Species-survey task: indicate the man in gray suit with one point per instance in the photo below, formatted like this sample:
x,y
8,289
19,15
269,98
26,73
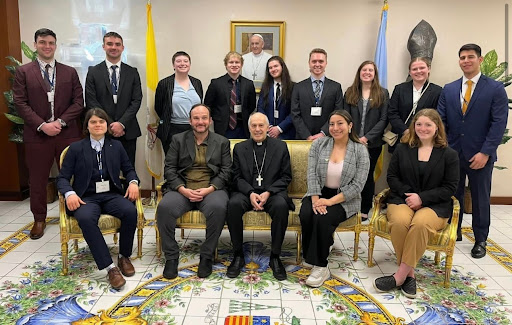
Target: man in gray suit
x,y
197,171
115,87
314,98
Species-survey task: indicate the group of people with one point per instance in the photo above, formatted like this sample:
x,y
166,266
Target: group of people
x,y
446,134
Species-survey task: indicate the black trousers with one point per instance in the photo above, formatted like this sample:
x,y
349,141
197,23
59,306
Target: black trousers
x,y
130,146
369,186
88,215
317,229
175,129
275,206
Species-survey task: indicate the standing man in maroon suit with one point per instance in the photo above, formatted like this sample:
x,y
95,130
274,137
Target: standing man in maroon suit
x,y
49,97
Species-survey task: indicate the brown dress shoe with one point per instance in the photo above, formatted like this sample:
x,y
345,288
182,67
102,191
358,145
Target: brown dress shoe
x,y
115,278
125,265
37,230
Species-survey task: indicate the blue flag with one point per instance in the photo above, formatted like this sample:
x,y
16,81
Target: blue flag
x,y
381,56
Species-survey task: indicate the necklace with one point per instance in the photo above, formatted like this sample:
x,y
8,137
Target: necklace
x,y
259,179
254,74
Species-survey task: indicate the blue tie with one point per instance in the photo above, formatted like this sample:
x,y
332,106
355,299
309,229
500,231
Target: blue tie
x,y
114,80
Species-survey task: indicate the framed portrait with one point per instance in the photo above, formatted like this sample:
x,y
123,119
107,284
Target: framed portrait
x,y
257,41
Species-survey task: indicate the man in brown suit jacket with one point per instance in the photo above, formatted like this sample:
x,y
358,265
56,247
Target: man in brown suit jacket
x,y
49,97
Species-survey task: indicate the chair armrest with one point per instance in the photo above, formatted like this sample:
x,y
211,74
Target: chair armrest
x,y
63,217
378,205
159,192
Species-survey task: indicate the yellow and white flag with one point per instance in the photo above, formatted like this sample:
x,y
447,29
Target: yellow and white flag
x,y
154,152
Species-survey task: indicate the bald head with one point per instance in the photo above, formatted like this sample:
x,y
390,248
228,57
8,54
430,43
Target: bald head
x,y
258,126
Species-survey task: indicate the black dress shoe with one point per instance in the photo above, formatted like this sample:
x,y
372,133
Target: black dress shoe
x,y
205,267
171,269
479,250
277,267
385,283
236,266
409,287
459,235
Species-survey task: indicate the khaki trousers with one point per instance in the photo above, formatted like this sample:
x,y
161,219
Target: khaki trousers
x,y
411,230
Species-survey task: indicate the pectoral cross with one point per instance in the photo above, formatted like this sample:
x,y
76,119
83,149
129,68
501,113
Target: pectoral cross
x,y
259,179
254,74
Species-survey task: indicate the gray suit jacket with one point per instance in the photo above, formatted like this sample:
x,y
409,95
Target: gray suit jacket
x,y
353,175
303,99
182,153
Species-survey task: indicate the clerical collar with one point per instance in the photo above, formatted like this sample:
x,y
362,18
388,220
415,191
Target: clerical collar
x,y
258,144
97,144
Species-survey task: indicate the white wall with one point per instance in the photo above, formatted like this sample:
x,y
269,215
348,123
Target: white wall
x,y
346,29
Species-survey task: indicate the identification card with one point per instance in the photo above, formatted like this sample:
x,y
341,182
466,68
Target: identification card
x,y
115,98
102,187
50,95
316,111
276,114
238,108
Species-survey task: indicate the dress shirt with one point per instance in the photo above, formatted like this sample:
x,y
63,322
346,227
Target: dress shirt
x,y
465,86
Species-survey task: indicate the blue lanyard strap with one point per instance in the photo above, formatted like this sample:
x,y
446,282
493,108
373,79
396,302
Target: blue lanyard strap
x,y
100,163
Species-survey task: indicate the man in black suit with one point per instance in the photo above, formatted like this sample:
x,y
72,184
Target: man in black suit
x,y
197,171
314,98
232,99
261,175
115,87
95,163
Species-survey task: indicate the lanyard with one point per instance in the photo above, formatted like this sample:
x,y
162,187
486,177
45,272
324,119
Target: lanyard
x,y
47,77
100,163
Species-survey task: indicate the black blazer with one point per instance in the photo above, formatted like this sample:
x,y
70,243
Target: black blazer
x,y
439,183
98,93
163,102
182,154
283,107
218,99
78,163
400,104
376,120
277,171
303,99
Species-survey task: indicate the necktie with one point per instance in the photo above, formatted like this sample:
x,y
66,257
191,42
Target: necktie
x,y
114,80
318,88
278,95
232,102
467,96
47,77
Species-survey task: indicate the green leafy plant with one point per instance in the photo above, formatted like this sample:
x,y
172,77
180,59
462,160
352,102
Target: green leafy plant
x,y
16,134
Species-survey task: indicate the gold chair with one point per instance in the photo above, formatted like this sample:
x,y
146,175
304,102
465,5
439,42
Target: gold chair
x,y
70,230
443,241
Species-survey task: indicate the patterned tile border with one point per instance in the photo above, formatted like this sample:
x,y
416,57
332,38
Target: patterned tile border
x,y
498,253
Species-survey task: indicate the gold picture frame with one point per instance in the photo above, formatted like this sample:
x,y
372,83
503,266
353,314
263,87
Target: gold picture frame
x,y
272,33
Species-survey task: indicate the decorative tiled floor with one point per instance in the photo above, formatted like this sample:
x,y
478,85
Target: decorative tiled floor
x,y
33,292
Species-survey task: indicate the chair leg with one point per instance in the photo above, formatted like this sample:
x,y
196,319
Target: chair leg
x,y
371,245
158,244
139,242
64,251
437,258
448,269
216,257
76,245
299,247
115,239
182,233
357,231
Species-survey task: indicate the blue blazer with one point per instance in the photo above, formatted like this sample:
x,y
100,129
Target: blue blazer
x,y
285,119
78,163
481,128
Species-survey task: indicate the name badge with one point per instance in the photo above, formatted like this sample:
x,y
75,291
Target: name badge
x,y
276,114
316,111
51,96
103,186
115,98
238,108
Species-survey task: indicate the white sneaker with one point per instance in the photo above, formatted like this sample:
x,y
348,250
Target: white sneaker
x,y
318,276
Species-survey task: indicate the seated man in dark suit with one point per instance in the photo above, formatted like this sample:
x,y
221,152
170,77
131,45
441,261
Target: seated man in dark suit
x,y
197,170
232,99
95,163
314,98
261,174
115,87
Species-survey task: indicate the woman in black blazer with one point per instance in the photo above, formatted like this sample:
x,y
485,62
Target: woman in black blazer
x,y
174,97
367,102
417,92
423,175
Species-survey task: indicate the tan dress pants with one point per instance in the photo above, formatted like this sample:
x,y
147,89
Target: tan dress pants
x,y
411,230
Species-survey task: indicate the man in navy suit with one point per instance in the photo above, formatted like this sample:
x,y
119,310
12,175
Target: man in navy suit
x,y
115,87
474,110
95,163
314,98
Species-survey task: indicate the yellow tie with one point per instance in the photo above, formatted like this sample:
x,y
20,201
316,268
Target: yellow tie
x,y
467,96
